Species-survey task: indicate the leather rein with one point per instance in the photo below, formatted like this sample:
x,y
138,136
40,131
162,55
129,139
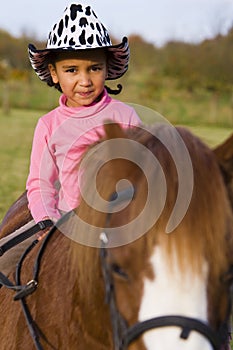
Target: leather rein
x,y
22,291
123,335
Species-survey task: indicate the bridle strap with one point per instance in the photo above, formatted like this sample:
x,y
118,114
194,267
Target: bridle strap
x,y
21,297
40,226
118,323
186,324
123,336
24,290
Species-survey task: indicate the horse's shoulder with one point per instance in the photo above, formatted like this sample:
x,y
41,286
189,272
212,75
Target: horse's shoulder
x,y
17,216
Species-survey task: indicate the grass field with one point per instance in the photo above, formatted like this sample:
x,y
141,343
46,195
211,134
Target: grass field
x,y
15,146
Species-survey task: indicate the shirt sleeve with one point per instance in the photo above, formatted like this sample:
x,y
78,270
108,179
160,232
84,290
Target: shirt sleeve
x,y
43,175
134,119
128,117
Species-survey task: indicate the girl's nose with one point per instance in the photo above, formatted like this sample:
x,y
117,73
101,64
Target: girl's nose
x,y
84,79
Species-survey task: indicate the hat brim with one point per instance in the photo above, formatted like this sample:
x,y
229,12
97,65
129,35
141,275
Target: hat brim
x,y
118,60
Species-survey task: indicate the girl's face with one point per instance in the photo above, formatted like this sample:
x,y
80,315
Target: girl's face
x,y
81,75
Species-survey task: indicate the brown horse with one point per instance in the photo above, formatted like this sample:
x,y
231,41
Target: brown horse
x,y
155,225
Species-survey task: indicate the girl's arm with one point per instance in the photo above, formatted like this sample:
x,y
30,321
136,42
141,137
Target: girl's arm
x,y
43,175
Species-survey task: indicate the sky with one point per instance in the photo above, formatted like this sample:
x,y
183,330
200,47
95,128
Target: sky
x,y
157,21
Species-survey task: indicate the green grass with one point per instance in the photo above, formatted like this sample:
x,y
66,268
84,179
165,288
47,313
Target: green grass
x,y
15,144
199,107
212,136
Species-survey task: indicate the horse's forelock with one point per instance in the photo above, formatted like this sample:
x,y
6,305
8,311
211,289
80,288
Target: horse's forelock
x,y
204,224
200,238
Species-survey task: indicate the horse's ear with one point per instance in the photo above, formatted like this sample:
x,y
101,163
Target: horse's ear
x,y
224,155
120,152
113,130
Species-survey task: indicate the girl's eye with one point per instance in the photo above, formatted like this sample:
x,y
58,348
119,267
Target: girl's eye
x,y
71,70
96,68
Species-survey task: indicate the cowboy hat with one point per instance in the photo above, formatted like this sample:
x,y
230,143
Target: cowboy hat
x,y
80,29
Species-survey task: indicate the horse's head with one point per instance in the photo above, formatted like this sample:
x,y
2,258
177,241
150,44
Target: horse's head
x,y
169,244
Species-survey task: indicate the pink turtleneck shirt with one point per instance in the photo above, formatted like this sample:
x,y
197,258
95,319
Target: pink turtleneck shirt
x,y
60,138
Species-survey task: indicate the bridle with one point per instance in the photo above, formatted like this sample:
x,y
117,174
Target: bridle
x,y
22,291
124,335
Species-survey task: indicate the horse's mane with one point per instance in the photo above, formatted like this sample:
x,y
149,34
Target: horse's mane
x,y
207,221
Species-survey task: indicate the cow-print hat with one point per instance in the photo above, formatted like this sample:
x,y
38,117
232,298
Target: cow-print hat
x,y
80,29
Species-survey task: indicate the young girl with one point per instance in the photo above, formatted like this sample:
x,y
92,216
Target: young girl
x,y
78,59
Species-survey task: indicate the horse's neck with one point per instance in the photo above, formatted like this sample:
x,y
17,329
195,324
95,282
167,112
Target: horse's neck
x,y
89,292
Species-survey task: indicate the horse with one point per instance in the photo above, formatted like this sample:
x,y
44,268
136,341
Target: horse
x,y
145,262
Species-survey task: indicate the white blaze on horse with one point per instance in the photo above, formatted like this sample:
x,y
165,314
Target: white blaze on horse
x,y
145,262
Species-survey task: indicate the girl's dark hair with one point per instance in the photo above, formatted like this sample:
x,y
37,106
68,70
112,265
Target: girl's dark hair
x,y
109,90
51,59
114,92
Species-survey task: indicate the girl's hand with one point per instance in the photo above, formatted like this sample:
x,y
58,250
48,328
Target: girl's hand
x,y
41,234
